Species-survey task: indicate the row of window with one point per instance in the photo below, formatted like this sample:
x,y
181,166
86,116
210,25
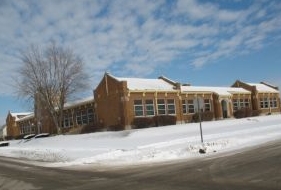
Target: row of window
x,y
83,117
240,103
191,106
166,107
27,129
268,102
146,107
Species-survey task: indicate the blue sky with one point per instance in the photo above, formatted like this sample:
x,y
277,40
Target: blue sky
x,y
211,43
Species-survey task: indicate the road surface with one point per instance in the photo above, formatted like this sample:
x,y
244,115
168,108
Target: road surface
x,y
257,168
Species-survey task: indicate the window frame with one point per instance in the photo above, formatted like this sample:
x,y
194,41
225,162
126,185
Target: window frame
x,y
171,106
138,105
191,106
161,104
149,107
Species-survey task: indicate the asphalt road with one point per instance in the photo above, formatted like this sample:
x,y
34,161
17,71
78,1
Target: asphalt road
x,y
257,168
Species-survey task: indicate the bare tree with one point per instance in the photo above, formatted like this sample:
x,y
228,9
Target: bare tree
x,y
52,74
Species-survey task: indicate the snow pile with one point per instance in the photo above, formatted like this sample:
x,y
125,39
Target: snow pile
x,y
147,145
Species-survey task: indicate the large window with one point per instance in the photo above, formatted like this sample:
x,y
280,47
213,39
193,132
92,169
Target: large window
x,y
90,115
78,118
190,106
240,103
268,102
235,104
84,117
149,107
26,128
67,120
144,107
171,107
207,105
138,108
264,103
247,103
184,106
273,102
161,107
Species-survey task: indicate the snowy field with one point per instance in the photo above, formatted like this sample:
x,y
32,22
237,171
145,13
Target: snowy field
x,y
147,145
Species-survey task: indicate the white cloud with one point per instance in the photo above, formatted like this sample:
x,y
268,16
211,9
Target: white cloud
x,y
135,37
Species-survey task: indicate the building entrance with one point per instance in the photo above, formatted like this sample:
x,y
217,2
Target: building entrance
x,y
224,108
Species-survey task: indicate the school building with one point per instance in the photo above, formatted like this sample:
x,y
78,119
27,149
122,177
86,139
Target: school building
x,y
117,102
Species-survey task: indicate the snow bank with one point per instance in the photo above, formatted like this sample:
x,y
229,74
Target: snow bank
x,y
147,145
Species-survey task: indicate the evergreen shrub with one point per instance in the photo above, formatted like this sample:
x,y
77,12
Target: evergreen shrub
x,y
243,112
205,116
163,120
143,122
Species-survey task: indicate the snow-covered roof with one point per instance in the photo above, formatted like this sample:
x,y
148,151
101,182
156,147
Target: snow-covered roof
x,y
263,88
30,116
20,115
147,84
79,102
222,91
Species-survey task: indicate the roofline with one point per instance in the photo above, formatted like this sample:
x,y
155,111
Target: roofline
x,y
170,81
30,116
269,85
79,102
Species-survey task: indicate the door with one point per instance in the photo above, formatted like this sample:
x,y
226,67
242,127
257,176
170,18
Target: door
x,y
224,108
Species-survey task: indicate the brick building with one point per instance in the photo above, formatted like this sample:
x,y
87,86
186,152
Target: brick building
x,y
264,97
77,116
118,101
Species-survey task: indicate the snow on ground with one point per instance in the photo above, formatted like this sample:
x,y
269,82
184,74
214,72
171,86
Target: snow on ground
x,y
147,145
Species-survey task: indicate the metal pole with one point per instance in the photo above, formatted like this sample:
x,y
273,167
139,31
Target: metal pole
x,y
199,113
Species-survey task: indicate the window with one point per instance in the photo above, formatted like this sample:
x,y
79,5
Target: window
x,y
184,106
171,108
138,107
78,118
149,107
65,121
264,102
191,108
90,115
32,129
207,105
261,103
84,117
188,106
235,104
161,107
26,128
247,103
240,103
273,102
21,130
